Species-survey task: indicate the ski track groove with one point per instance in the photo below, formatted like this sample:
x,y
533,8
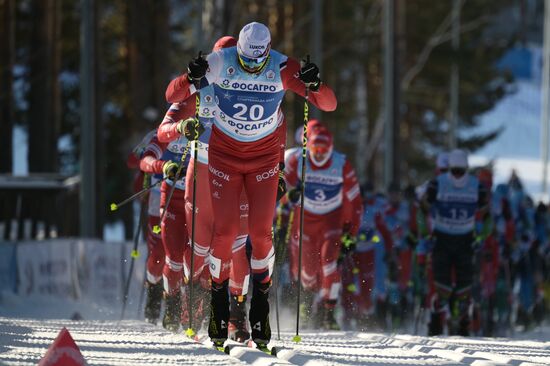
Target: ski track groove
x,y
24,342
498,352
329,349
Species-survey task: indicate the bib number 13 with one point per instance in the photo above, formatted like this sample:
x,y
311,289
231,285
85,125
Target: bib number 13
x,y
255,113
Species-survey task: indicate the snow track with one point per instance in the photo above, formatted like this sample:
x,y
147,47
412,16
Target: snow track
x,y
24,342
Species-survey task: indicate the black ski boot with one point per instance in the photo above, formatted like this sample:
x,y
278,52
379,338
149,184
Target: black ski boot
x,y
238,324
259,314
172,313
329,322
219,313
463,320
153,302
435,326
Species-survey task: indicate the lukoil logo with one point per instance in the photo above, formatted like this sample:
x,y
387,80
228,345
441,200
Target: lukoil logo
x,y
218,173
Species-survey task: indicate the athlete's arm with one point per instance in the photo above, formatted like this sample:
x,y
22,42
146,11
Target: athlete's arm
x,y
353,204
181,88
281,131
291,170
430,196
150,162
132,161
166,131
324,98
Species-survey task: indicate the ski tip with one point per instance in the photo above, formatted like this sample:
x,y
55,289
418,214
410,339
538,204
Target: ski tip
x,y
190,333
114,207
156,229
296,339
273,351
226,349
134,254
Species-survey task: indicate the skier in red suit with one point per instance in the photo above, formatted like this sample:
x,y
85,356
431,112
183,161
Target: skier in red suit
x,y
249,82
332,213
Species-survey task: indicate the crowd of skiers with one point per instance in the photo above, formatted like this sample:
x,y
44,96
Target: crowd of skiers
x,y
230,207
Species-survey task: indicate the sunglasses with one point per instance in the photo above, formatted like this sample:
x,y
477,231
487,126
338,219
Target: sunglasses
x,y
458,172
253,62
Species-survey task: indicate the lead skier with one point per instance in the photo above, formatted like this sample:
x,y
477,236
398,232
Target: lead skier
x,y
249,81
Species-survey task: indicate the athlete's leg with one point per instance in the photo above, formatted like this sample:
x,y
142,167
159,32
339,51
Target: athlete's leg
x,y
226,184
463,262
240,268
442,266
174,238
330,276
155,261
311,253
204,219
261,190
155,257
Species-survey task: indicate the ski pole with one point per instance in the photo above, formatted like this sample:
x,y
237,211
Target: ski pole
x,y
134,255
190,332
276,286
297,337
116,206
156,228
141,294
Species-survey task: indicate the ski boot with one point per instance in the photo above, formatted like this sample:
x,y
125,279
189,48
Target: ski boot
x,y
172,313
153,301
435,326
219,313
381,314
329,322
259,314
238,327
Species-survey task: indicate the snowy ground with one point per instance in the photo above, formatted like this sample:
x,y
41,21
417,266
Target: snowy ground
x,y
29,325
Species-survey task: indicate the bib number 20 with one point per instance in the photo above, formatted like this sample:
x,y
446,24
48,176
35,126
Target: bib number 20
x,y
254,113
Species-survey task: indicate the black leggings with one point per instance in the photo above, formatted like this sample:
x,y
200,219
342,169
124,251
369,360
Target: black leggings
x,y
453,252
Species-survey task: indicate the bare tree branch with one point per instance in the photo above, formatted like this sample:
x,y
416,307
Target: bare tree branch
x,y
466,27
435,40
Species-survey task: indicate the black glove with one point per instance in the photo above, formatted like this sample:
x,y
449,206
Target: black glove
x,y
294,195
281,186
197,68
190,128
309,74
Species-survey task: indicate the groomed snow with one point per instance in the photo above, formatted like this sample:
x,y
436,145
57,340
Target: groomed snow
x,y
23,341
